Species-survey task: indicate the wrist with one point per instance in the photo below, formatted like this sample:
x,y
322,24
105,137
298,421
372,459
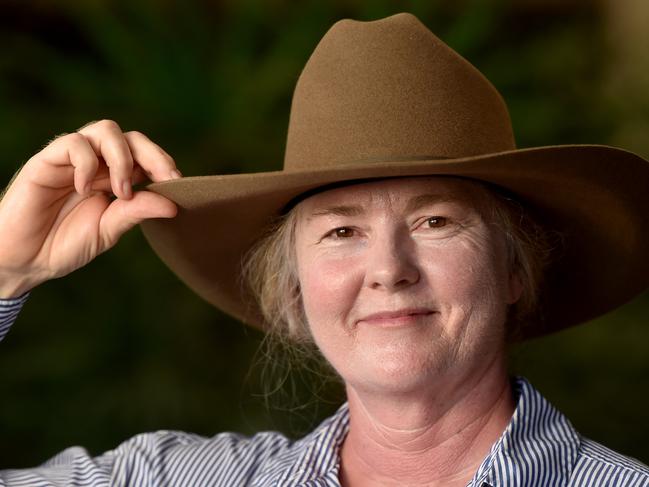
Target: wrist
x,y
14,288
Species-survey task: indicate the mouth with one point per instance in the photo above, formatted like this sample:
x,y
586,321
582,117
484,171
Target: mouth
x,y
401,317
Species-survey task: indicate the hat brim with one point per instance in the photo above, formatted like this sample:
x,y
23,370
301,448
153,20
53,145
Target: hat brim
x,y
596,196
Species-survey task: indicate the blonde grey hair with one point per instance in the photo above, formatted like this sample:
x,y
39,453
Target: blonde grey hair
x,y
530,248
270,269
270,272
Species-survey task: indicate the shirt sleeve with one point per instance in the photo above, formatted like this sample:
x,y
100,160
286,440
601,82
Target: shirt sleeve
x,y
162,458
9,309
150,459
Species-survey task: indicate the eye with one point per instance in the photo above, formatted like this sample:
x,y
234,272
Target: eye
x,y
436,221
342,232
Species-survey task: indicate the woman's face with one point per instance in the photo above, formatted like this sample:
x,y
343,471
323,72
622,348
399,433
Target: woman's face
x,y
403,280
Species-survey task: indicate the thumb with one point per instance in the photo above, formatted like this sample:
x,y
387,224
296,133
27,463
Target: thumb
x,y
122,215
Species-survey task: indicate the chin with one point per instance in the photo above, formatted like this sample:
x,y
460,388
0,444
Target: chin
x,y
399,374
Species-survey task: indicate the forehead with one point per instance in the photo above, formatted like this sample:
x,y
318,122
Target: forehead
x,y
399,192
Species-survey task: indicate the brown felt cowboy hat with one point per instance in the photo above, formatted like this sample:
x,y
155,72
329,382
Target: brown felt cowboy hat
x,y
388,98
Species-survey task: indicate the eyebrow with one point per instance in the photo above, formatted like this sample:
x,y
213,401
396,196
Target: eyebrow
x,y
339,210
415,203
428,199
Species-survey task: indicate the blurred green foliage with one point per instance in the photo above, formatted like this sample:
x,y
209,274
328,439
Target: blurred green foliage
x,y
122,347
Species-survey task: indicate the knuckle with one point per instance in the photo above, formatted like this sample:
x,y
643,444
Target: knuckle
x,y
65,140
56,138
135,134
74,138
107,124
87,124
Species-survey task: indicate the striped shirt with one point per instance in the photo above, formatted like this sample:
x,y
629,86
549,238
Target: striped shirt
x,y
539,447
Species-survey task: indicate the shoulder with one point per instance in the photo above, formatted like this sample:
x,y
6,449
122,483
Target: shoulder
x,y
601,466
166,440
265,458
168,457
179,457
541,447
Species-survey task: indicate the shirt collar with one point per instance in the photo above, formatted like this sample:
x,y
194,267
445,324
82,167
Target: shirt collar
x,y
313,460
538,447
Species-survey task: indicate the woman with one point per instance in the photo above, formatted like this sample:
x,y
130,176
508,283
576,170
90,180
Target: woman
x,y
398,242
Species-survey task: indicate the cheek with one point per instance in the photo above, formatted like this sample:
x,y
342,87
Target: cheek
x,y
329,290
329,287
470,277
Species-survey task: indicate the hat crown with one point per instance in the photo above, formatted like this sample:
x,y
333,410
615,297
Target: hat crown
x,y
390,89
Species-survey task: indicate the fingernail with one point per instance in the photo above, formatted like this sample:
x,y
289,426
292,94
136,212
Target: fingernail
x,y
126,187
175,174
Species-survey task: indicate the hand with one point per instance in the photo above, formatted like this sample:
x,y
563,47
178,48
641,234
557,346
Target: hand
x,y
57,215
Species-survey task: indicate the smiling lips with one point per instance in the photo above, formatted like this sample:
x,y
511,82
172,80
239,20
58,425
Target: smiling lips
x,y
399,317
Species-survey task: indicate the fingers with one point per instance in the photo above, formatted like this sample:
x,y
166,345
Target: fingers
x,y
157,164
122,215
83,158
69,149
107,140
130,156
99,157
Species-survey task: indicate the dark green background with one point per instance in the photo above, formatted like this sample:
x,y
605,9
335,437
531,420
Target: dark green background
x,y
121,346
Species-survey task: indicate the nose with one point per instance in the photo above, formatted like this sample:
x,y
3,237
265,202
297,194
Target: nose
x,y
391,262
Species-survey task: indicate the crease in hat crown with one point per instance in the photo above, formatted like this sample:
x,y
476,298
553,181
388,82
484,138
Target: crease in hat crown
x,y
390,89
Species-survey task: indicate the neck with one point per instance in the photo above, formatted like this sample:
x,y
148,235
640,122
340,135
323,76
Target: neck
x,y
434,437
